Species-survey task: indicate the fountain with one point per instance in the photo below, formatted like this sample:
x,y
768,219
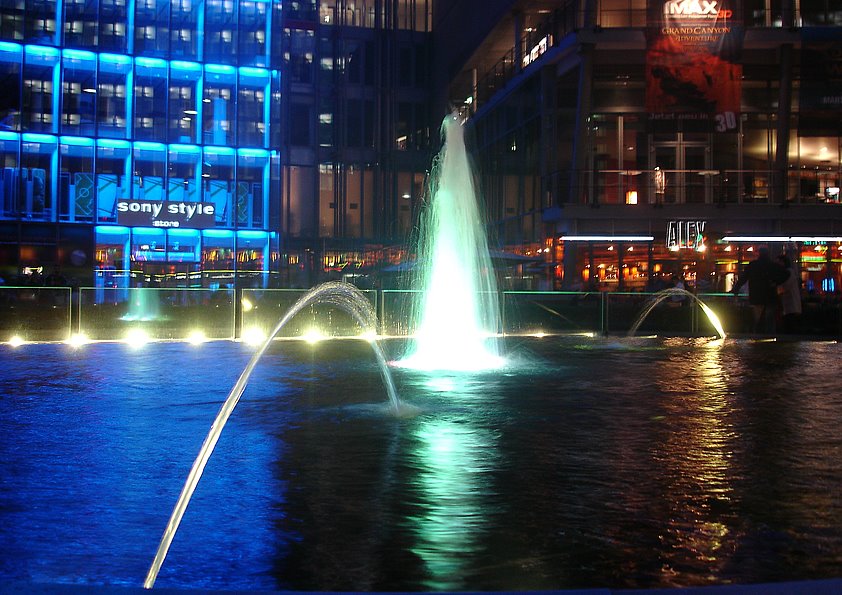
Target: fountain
x,y
341,295
143,305
457,310
672,292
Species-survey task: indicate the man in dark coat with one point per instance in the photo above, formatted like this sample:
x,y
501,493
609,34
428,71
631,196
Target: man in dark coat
x,y
763,276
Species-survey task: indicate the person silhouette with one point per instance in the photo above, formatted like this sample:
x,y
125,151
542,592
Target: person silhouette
x,y
763,276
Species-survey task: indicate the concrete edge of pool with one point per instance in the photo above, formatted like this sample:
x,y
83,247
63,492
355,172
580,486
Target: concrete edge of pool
x,y
812,587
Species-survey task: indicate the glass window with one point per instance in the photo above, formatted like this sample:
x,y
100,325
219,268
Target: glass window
x,y
253,31
11,19
299,213
218,104
151,30
217,258
149,167
35,199
252,187
184,101
251,108
353,202
184,173
183,245
299,124
112,25
299,49
10,73
78,105
113,177
9,176
150,99
76,180
221,31
39,75
112,107
184,34
252,257
327,200
148,245
112,262
218,164
80,23
40,19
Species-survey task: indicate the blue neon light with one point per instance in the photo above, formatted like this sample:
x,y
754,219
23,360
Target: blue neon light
x,y
113,143
219,69
218,233
185,149
78,55
32,137
253,72
155,63
5,135
185,66
111,230
228,151
42,51
193,233
78,141
149,146
115,59
257,235
10,48
253,153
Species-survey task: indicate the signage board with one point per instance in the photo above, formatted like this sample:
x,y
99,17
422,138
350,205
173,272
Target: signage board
x,y
154,213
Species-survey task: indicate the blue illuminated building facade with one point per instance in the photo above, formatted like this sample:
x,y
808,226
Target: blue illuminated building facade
x,y
209,142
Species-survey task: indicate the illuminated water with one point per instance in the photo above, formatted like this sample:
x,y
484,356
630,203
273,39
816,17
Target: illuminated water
x,y
583,463
457,315
675,293
342,295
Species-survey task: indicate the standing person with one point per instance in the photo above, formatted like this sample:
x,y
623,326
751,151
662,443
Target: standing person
x,y
790,293
763,276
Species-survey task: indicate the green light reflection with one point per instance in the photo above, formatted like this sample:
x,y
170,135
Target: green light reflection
x,y
455,461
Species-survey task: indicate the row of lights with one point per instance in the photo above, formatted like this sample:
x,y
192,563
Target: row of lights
x,y
137,338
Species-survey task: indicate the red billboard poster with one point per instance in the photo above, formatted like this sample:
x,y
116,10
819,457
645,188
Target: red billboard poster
x,y
693,68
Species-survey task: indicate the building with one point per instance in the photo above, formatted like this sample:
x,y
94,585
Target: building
x,y
209,143
627,141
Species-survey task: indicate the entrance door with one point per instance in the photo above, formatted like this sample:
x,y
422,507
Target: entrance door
x,y
686,168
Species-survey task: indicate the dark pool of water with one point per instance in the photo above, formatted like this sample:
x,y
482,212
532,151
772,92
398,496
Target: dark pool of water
x,y
587,463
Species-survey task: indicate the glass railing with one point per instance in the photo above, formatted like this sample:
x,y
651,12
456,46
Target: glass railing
x,y
33,314
155,314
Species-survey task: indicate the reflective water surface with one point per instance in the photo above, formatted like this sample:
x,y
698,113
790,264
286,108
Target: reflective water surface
x,y
585,463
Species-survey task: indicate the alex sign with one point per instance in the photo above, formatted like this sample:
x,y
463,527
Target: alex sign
x,y
685,235
152,213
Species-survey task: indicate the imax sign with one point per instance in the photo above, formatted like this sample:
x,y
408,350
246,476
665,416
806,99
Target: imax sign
x,y
695,9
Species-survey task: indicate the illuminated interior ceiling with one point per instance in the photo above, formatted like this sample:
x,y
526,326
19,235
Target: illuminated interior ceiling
x,y
500,41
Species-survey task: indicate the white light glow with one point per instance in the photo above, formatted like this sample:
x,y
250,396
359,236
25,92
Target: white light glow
x,y
16,341
196,337
76,340
605,238
136,338
253,336
247,305
313,336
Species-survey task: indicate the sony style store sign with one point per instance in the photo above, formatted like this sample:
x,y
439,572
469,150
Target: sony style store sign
x,y
153,213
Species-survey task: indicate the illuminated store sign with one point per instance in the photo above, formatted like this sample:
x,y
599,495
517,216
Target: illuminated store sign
x,y
695,8
537,50
685,235
152,213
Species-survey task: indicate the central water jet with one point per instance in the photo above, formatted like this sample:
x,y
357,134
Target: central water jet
x,y
457,314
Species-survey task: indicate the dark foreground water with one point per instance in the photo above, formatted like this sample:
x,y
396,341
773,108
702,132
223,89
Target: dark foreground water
x,y
587,463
